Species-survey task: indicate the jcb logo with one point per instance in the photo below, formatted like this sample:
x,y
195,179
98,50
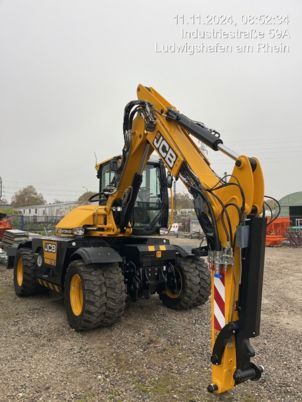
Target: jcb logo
x,y
165,150
50,247
50,252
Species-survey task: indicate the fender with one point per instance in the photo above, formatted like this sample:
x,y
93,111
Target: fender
x,y
11,252
97,255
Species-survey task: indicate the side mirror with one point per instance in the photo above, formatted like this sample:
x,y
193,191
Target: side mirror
x,y
169,180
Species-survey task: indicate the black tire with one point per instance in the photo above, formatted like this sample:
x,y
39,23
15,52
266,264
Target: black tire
x,y
195,285
103,295
27,285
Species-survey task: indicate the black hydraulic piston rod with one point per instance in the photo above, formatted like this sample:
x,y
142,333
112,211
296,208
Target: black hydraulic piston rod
x,y
209,137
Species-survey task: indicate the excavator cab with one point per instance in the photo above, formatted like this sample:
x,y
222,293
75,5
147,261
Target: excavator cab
x,y
151,209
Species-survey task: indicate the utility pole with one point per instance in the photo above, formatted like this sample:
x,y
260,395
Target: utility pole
x,y
174,191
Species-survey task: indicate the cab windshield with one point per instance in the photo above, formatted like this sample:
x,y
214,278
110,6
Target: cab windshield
x,y
148,205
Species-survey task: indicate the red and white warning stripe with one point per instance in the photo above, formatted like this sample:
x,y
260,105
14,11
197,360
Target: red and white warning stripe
x,y
219,301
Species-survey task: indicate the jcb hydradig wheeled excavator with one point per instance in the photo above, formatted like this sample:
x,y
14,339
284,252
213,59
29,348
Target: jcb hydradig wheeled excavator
x,y
103,251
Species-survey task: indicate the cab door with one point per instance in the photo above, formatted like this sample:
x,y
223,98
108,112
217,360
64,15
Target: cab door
x,y
151,208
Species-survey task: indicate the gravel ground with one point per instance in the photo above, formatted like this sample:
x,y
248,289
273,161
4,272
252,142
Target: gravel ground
x,y
153,354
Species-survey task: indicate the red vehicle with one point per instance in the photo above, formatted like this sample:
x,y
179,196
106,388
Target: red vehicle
x,y
5,224
275,233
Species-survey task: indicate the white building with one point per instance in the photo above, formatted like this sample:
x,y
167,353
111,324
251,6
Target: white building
x,y
41,212
195,226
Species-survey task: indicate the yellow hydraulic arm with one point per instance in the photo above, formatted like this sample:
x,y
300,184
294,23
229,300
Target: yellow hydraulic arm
x,y
229,210
223,209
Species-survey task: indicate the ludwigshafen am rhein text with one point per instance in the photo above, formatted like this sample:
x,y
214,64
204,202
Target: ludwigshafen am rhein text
x,y
218,47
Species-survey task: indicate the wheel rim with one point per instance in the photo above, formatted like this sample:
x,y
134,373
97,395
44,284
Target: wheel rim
x,y
20,272
76,295
175,293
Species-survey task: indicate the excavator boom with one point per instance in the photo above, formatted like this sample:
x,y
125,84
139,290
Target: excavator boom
x,y
229,211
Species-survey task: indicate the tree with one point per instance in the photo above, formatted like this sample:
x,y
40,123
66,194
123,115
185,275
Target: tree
x,y
271,207
85,196
27,196
183,201
3,201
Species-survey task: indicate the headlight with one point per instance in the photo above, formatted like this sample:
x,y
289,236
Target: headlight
x,y
70,232
64,232
78,231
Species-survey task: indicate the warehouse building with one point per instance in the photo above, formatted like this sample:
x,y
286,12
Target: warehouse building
x,y
40,213
291,206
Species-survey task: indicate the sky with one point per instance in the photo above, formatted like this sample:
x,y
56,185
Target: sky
x,y
68,68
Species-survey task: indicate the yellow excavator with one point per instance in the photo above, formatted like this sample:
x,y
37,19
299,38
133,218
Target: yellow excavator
x,y
108,249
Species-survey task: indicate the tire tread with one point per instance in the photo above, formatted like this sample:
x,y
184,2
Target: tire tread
x,y
197,285
104,295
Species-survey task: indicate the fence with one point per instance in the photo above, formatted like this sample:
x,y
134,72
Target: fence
x,y
294,237
38,224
